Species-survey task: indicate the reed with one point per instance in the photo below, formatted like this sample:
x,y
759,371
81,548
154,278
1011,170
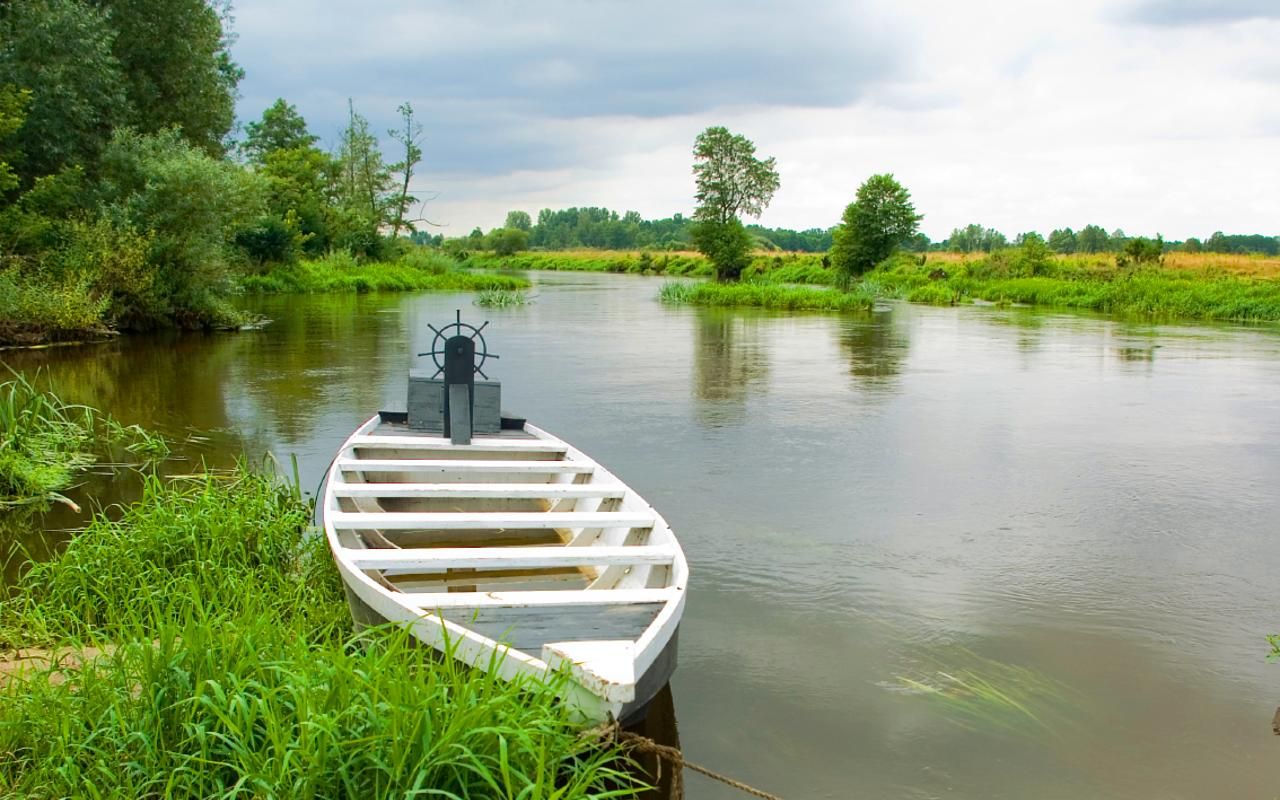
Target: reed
x,y
226,669
764,295
980,693
45,441
341,273
501,298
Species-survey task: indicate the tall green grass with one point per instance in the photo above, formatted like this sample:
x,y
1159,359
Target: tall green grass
x,y
45,441
764,295
501,298
342,273
230,672
1081,283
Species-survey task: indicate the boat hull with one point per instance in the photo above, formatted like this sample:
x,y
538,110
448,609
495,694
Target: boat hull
x,y
364,538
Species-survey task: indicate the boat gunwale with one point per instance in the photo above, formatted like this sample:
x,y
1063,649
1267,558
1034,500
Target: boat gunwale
x,y
476,648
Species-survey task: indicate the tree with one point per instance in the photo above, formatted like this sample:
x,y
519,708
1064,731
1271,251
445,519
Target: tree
x,y
191,206
362,186
281,128
1062,240
729,180
13,105
177,67
60,51
1092,239
519,220
507,241
1192,245
974,238
727,244
408,137
879,220
1141,250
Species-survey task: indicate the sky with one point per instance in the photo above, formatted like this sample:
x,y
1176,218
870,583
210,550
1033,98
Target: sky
x,y
1154,116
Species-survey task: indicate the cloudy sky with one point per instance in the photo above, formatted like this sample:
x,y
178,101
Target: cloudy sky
x,y
1148,115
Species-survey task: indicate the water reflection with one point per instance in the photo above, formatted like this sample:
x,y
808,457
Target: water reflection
x,y
875,345
731,360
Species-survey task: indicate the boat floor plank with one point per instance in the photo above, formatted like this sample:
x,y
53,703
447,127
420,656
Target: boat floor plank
x,y
528,629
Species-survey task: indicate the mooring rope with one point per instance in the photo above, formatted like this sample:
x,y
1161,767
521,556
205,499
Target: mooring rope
x,y
672,754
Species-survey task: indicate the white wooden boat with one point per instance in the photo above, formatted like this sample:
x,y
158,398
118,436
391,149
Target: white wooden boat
x,y
516,544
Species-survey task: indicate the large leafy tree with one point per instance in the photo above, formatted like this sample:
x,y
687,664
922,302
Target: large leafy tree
x,y
519,220
1093,239
178,70
281,128
729,181
879,220
61,51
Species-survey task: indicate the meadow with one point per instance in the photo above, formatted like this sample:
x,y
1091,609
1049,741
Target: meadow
x,y
198,645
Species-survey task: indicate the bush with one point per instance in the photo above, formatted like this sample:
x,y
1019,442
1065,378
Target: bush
x,y
191,205
726,244
270,240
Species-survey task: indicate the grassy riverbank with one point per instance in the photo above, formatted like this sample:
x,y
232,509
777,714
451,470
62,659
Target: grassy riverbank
x,y
417,271
45,441
1189,290
1193,287
224,667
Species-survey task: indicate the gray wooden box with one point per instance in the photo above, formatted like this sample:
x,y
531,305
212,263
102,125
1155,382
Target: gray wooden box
x,y
426,404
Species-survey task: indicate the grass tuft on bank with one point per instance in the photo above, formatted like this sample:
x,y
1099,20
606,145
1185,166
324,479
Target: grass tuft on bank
x,y
45,441
764,295
416,272
224,667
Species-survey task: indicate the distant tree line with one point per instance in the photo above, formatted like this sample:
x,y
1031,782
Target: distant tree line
x,y
602,228
605,229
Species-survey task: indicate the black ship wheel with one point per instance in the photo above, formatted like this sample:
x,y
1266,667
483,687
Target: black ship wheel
x,y
458,328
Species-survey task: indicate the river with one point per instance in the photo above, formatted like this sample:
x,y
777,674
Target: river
x,y
935,552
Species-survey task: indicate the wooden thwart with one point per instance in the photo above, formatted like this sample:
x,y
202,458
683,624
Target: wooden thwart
x,y
460,521
478,445
587,597
497,491
500,557
462,465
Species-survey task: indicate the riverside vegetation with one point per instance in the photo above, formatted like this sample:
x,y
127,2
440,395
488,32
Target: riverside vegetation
x,y
199,646
45,441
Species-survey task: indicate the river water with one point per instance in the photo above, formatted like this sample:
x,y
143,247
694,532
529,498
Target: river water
x,y
935,552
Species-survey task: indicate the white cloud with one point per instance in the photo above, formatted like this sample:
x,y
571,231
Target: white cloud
x,y
1019,116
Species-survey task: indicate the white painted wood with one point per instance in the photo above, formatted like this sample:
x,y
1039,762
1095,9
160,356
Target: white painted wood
x,y
478,444
460,465
506,557
505,520
497,491
517,599
596,665
604,674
